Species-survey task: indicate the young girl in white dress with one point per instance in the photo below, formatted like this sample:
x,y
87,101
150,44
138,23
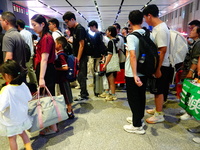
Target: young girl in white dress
x,y
14,97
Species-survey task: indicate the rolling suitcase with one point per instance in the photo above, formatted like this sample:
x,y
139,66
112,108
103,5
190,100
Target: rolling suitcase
x,y
98,83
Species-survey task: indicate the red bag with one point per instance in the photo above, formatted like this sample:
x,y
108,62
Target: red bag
x,y
120,78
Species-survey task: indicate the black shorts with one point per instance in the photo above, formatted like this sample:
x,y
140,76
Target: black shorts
x,y
109,73
163,82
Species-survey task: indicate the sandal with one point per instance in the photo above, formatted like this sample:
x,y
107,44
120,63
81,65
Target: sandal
x,y
48,131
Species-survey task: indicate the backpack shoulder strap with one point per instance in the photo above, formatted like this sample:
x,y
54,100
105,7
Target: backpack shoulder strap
x,y
62,54
59,32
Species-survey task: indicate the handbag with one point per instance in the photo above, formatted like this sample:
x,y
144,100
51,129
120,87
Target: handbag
x,y
190,98
47,110
113,65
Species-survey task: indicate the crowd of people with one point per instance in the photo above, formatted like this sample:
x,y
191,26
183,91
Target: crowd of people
x,y
47,66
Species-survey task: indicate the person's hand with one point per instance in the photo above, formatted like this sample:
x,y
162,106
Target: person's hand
x,y
189,75
41,82
157,74
138,82
104,67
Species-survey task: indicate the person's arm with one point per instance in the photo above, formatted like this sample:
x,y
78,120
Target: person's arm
x,y
198,67
133,62
8,55
80,50
7,48
193,67
43,67
108,58
162,51
4,99
63,68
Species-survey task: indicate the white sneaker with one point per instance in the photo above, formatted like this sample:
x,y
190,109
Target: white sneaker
x,y
185,116
130,120
131,129
156,118
196,140
104,95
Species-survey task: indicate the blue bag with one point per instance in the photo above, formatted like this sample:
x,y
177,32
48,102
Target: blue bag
x,y
72,72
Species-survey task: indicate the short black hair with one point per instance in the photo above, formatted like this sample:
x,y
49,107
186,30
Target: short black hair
x,y
195,22
12,68
21,23
198,30
113,31
117,25
93,23
62,40
151,9
126,28
135,17
10,17
69,15
54,21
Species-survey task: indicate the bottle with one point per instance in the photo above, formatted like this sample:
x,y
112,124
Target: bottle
x,y
142,58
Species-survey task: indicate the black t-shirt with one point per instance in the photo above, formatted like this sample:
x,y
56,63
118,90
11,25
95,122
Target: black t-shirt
x,y
98,41
110,46
79,34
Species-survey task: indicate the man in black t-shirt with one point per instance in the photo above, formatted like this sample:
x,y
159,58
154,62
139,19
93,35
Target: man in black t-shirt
x,y
79,50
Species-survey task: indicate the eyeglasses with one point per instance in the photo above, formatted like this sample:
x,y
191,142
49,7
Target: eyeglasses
x,y
67,21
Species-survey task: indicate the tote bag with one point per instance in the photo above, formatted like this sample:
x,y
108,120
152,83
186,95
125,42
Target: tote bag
x,y
190,98
113,65
47,110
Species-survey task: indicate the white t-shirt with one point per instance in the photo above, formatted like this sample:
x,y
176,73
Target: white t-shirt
x,y
27,36
14,104
120,44
132,45
56,34
162,37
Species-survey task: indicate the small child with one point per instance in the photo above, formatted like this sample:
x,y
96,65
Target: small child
x,y
61,68
14,97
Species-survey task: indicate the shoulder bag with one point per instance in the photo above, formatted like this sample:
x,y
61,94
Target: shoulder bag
x,y
47,110
113,65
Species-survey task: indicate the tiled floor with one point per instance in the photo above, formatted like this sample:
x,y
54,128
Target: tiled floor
x,y
98,126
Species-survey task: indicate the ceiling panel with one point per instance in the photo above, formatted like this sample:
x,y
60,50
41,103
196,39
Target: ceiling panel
x,y
108,9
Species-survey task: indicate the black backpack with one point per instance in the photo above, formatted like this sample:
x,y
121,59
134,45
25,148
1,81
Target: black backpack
x,y
90,45
147,47
27,52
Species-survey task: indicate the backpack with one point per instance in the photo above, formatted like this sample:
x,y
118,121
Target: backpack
x,y
90,45
178,48
68,49
72,72
147,47
27,52
102,46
